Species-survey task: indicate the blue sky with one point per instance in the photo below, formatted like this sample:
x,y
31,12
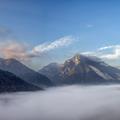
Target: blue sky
x,y
92,23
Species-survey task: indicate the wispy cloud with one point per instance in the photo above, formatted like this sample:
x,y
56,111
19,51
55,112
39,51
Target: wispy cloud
x,y
106,47
109,47
45,47
17,50
88,53
13,49
22,52
111,52
114,55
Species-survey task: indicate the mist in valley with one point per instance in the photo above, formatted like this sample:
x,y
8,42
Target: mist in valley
x,y
63,103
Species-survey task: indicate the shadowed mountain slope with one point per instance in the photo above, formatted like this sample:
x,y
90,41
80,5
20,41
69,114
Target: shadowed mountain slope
x,y
25,73
11,83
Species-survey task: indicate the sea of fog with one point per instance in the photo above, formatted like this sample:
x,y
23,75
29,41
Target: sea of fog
x,y
63,103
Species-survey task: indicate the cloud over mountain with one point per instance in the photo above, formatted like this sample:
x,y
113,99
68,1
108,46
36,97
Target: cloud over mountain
x,y
13,49
22,51
114,54
110,53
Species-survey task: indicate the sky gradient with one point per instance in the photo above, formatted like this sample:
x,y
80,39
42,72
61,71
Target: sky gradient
x,y
79,26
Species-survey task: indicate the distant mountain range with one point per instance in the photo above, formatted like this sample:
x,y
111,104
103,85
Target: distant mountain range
x,y
11,83
25,73
81,69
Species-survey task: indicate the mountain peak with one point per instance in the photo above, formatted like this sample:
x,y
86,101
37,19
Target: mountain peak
x,y
82,69
76,59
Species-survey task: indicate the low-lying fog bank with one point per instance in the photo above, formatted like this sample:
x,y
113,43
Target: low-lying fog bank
x,y
63,103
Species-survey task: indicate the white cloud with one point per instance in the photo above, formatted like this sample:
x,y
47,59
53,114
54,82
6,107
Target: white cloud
x,y
114,55
106,47
19,51
111,52
109,47
63,103
88,53
45,47
13,49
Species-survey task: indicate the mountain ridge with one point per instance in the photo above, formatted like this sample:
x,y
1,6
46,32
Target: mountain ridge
x,y
14,66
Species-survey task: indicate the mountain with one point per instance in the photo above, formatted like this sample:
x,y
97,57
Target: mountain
x,y
11,83
25,73
83,70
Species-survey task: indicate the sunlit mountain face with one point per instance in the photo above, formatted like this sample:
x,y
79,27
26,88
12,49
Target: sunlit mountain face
x,y
59,60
